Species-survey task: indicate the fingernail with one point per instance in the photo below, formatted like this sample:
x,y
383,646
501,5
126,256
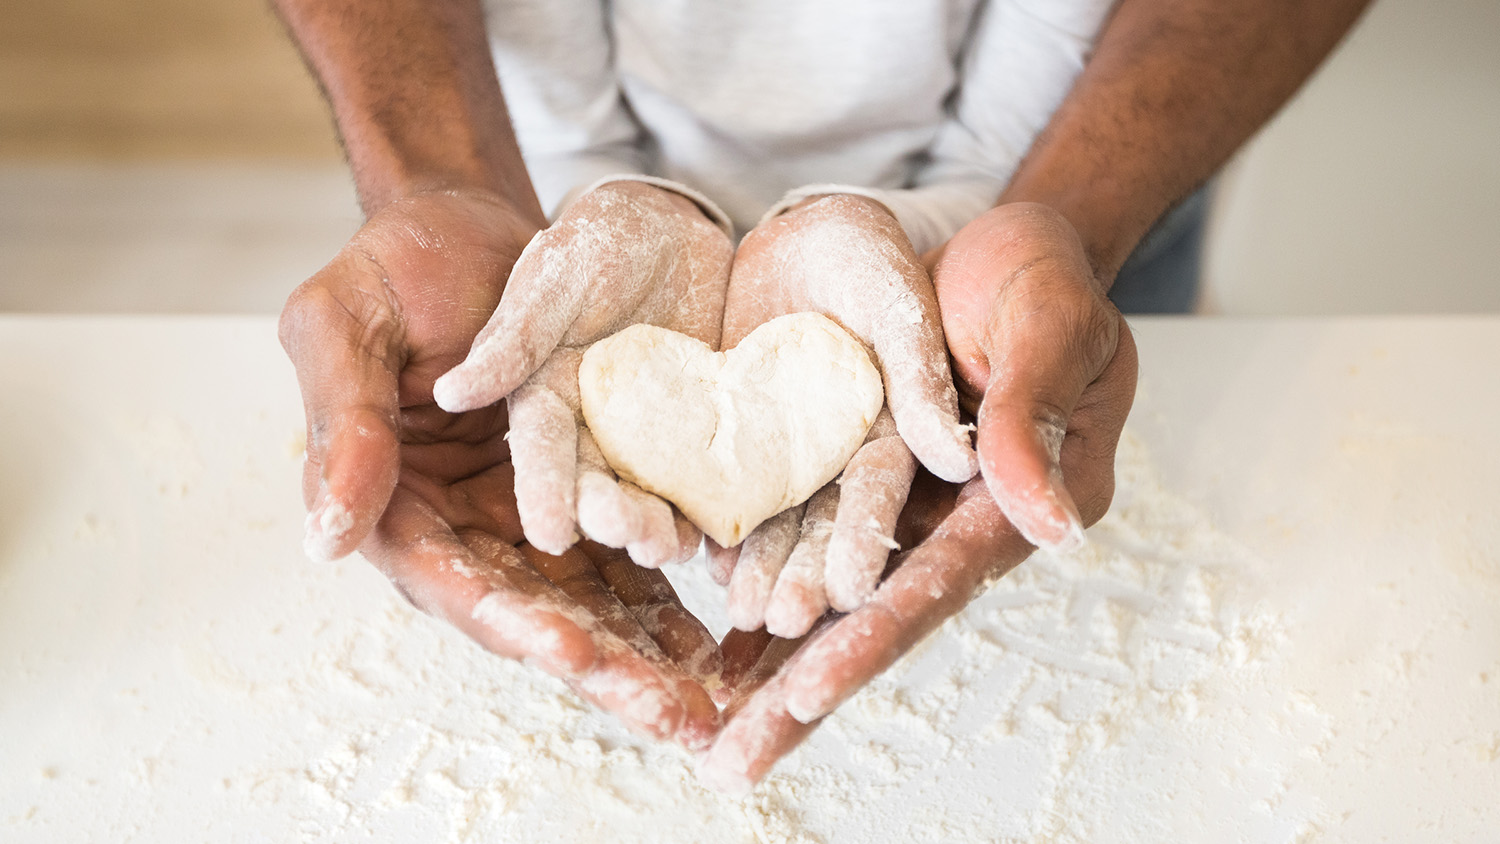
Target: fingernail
x,y
717,777
1073,539
1043,516
809,706
1062,531
695,735
719,691
793,610
803,713
647,554
325,528
943,446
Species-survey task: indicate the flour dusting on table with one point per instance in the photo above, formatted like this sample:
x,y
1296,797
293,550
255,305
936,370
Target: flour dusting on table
x,y
1073,672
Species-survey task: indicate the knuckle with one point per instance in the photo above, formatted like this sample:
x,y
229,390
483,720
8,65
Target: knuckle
x,y
294,315
1050,420
1090,474
362,315
1096,333
1095,502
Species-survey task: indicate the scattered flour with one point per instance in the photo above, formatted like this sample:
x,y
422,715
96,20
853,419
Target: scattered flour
x,y
1138,690
1033,716
172,669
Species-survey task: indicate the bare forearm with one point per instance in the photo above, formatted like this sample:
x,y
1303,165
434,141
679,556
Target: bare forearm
x,y
415,96
1174,87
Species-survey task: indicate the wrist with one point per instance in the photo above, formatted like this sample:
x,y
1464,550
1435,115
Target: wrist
x,y
680,195
415,96
806,195
1108,216
388,167
853,198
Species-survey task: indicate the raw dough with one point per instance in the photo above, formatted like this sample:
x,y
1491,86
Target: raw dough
x,y
732,438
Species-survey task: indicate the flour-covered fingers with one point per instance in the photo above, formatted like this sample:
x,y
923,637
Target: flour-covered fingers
x,y
762,556
351,469
872,492
920,393
1022,445
524,607
480,585
648,595
542,298
679,648
935,580
758,730
1051,343
721,561
344,335
631,677
689,538
606,514
742,651
662,538
575,574
774,654
543,448
681,636
799,598
622,515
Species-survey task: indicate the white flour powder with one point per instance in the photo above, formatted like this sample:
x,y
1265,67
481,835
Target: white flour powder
x,y
221,688
172,669
1032,716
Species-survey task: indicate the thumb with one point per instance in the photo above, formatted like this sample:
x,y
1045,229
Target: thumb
x,y
535,311
346,347
1040,364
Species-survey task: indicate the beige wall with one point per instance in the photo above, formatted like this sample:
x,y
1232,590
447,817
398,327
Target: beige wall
x,y
1378,190
133,79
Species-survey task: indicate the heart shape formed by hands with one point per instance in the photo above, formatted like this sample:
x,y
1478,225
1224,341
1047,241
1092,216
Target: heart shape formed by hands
x,y
732,438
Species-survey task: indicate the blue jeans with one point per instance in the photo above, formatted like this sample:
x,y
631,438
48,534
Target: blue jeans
x,y
1161,276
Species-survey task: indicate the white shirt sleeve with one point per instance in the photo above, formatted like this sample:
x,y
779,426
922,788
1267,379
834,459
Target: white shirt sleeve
x,y
1022,59
555,61
925,107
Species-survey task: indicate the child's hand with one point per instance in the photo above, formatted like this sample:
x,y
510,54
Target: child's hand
x,y
626,252
847,258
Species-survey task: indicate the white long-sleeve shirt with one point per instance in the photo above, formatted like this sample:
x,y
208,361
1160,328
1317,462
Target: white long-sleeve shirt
x,y
925,106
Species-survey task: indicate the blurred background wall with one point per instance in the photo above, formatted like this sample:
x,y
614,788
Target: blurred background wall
x,y
174,156
163,156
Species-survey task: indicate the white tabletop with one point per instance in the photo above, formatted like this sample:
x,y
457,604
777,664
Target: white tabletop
x,y
1310,517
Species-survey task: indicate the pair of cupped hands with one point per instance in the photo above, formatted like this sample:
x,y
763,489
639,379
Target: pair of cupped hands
x,y
503,518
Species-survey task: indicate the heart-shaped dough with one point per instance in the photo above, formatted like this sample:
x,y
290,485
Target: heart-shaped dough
x,y
732,438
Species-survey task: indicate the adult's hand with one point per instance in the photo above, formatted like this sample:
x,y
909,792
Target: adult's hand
x,y
782,688
1045,358
427,495
626,252
1026,319
1022,292
847,258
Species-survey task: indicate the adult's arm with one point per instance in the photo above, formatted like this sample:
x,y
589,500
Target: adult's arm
x,y
1173,88
415,96
426,495
1018,62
